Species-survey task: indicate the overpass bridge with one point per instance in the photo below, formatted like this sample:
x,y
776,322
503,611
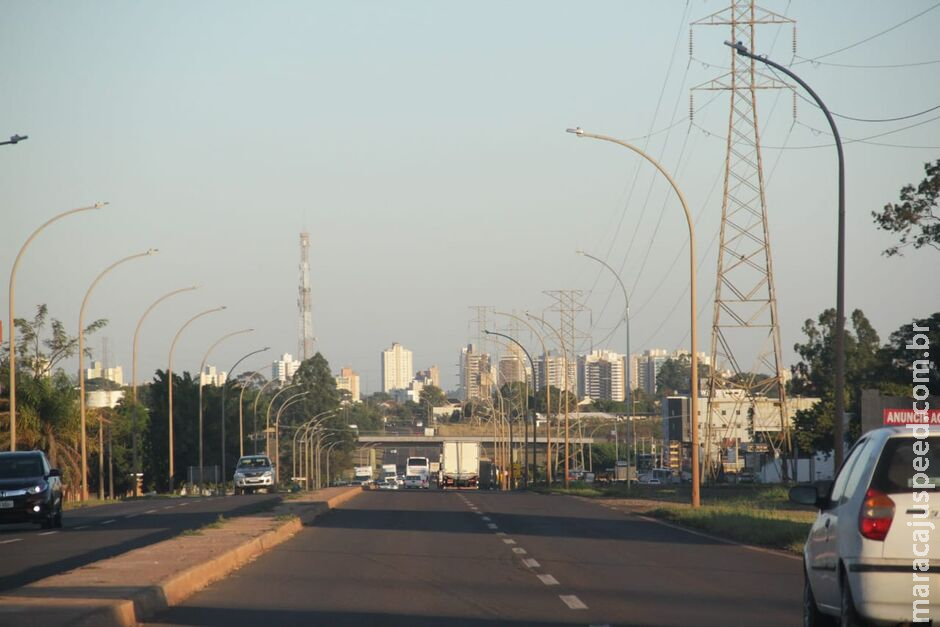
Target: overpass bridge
x,y
436,440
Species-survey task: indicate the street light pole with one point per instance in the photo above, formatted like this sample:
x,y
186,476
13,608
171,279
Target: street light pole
x,y
525,475
135,456
201,368
548,402
839,339
169,372
628,387
15,139
564,349
255,414
277,433
12,318
241,416
693,387
231,371
81,358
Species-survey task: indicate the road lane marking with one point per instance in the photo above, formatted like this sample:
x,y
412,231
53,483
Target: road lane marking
x,y
531,563
47,533
491,526
11,540
509,541
151,511
168,506
132,515
500,533
82,527
548,580
183,504
486,518
107,522
518,550
572,601
478,513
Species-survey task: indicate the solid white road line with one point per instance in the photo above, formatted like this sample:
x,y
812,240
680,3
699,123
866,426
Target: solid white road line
x,y
509,541
548,580
572,601
518,550
11,540
531,563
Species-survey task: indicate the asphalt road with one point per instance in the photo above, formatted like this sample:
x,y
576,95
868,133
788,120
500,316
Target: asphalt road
x,y
28,553
422,559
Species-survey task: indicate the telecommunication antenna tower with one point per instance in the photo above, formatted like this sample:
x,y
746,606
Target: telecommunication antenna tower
x,y
306,339
745,345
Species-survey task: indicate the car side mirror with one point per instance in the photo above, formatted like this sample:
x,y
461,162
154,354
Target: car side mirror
x,y
809,495
55,472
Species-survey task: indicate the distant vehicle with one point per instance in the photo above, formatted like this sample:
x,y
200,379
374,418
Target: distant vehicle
x,y
30,489
418,466
859,557
389,470
362,475
460,465
649,480
389,483
746,476
252,473
416,481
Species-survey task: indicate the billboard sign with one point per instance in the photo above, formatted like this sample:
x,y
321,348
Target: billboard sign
x,y
901,417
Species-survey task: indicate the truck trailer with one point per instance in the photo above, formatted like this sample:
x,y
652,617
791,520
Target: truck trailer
x,y
460,465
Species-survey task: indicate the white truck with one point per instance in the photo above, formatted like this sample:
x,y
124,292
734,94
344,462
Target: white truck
x,y
460,465
362,475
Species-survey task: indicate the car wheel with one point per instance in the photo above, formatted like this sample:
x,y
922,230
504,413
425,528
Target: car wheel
x,y
849,616
812,617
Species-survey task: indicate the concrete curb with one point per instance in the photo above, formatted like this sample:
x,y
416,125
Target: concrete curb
x,y
32,606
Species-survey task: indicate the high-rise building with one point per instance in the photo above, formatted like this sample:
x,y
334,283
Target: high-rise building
x,y
349,381
431,376
210,376
284,368
98,371
601,376
551,371
646,366
476,376
396,368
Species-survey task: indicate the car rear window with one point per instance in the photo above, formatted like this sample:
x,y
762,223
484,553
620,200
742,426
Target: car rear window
x,y
20,467
895,470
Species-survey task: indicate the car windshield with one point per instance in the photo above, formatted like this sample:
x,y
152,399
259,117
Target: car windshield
x,y
413,478
20,467
417,461
895,471
254,462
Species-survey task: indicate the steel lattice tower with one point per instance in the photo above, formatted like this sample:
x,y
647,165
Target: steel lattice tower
x,y
305,339
745,344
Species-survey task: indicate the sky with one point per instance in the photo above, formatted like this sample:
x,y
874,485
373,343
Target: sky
x,y
422,145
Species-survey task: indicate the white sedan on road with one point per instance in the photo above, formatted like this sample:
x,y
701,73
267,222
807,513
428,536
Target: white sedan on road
x,y
869,555
416,481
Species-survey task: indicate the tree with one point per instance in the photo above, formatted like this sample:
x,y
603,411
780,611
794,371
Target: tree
x,y
32,342
315,378
433,396
915,218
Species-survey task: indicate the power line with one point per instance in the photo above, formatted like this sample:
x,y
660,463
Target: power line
x,y
867,39
887,66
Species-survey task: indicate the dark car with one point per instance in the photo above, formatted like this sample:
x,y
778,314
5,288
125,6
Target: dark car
x,y
30,489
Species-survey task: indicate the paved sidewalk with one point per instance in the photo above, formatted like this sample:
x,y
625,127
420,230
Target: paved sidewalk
x,y
127,589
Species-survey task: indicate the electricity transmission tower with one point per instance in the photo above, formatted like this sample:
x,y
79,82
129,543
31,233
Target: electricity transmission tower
x,y
306,339
745,345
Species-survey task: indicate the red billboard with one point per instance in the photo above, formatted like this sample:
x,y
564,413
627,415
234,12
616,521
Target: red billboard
x,y
901,417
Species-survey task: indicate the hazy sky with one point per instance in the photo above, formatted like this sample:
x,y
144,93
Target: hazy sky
x,y
423,146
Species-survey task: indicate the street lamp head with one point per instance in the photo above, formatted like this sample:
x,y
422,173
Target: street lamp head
x,y
580,252
153,251
18,138
577,131
740,47
99,205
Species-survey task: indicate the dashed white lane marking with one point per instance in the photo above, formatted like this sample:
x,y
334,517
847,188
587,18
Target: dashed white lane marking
x,y
548,580
500,533
47,533
132,516
107,522
531,563
491,526
82,527
518,550
168,506
11,540
478,513
486,518
183,504
151,511
509,541
572,601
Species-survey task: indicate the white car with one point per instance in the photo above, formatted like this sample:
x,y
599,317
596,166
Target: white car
x,y
869,549
416,481
254,472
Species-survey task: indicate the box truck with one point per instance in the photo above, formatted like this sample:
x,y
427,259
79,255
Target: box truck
x,y
460,465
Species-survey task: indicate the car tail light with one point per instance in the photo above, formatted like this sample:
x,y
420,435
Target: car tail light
x,y
874,520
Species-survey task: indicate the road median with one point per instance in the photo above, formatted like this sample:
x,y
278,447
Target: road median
x,y
132,587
